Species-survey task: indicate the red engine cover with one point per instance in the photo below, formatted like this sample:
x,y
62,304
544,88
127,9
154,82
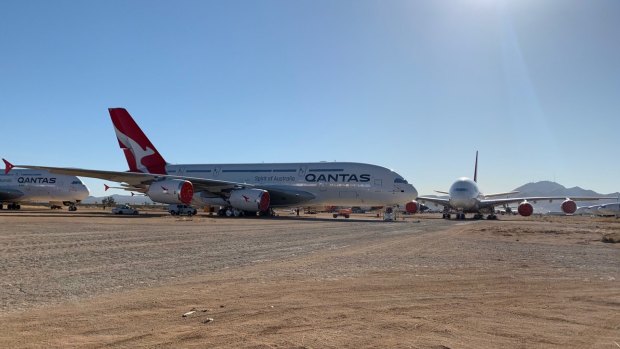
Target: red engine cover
x,y
187,193
569,206
264,202
171,191
525,209
412,207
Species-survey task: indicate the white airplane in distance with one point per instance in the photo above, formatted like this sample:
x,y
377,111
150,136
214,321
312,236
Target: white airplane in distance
x,y
465,197
246,188
19,186
612,209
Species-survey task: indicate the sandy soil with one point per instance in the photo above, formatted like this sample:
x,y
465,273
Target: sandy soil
x,y
94,280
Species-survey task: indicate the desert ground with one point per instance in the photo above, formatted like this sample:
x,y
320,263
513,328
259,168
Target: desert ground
x,y
90,279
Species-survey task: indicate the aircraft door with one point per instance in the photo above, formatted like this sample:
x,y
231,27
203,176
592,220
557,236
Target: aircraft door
x,y
322,186
377,184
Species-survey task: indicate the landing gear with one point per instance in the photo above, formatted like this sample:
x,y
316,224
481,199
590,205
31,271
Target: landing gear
x,y
446,216
1,207
478,216
491,217
13,206
233,212
460,216
72,208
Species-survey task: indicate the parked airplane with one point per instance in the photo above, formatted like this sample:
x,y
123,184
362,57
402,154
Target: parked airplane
x,y
245,188
465,197
20,186
612,209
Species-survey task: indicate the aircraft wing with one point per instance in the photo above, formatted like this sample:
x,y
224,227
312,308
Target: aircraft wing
x,y
500,194
7,194
437,201
139,180
534,199
286,196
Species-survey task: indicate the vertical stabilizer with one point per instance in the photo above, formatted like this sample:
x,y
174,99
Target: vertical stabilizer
x,y
141,154
476,169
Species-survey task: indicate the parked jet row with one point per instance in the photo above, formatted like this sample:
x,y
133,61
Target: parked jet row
x,y
21,186
245,188
605,210
464,197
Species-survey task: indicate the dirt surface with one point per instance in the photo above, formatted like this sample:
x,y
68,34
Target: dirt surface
x,y
95,280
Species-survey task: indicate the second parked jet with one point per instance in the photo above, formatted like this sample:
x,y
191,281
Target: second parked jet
x,y
464,197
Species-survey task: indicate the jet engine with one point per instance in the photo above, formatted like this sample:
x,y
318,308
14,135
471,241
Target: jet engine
x,y
249,199
171,191
525,209
412,207
569,206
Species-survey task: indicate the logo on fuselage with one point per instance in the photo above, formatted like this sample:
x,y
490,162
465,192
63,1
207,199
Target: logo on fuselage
x,y
36,180
338,178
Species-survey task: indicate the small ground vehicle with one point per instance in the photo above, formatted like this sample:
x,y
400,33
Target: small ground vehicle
x,y
124,209
344,212
177,210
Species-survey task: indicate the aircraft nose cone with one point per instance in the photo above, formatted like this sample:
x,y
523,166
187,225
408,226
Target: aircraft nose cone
x,y
84,191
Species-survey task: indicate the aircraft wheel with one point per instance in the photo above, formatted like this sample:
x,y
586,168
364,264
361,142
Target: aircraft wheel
x,y
335,215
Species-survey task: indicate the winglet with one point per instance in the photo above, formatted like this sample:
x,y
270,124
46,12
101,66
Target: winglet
x,y
8,166
106,187
476,169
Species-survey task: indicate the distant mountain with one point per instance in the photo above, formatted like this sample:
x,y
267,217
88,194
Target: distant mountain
x,y
120,199
548,188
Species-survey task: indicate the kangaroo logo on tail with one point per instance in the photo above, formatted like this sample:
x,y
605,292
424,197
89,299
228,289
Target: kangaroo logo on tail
x,y
140,153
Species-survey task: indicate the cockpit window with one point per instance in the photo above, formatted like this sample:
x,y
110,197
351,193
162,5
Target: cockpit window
x,y
460,189
76,182
400,180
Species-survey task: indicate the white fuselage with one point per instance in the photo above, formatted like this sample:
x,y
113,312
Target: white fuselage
x,y
329,183
465,195
40,186
608,210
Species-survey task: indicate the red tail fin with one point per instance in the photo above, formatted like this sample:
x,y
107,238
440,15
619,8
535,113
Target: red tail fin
x,y
141,154
7,166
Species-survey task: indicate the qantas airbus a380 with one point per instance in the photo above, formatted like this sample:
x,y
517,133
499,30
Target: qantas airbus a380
x,y
246,188
21,186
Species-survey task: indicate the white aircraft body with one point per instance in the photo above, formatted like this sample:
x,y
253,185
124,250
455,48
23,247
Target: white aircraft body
x,y
612,209
464,197
19,186
245,188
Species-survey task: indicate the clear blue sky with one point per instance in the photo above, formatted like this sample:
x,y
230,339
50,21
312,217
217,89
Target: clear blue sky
x,y
416,86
